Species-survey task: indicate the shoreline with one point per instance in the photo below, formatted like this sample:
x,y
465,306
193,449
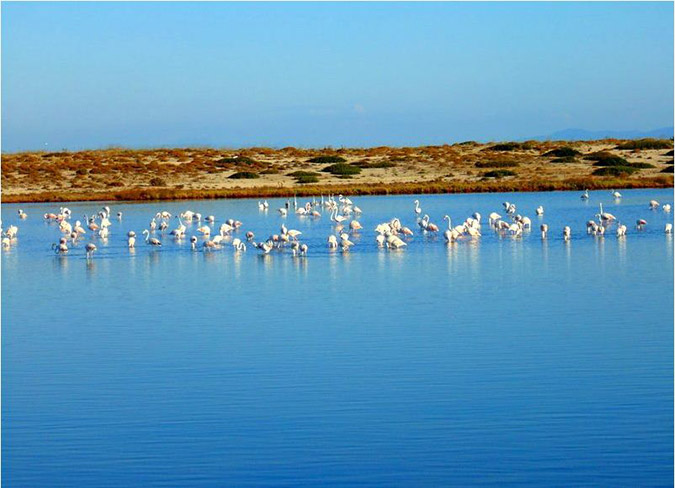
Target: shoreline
x,y
359,189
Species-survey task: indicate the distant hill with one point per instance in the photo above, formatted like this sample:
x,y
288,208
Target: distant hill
x,y
590,135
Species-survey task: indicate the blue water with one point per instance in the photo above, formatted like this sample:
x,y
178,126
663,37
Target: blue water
x,y
493,362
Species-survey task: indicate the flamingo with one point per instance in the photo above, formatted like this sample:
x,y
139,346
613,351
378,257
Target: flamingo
x,y
526,222
90,248
180,230
653,204
418,210
240,246
22,214
567,233
585,195
355,226
12,231
430,227
265,247
669,228
337,218
540,210
450,234
332,242
293,234
621,230
193,243
151,240
93,226
544,230
61,247
616,194
395,242
208,244
604,216
640,223
131,242
666,207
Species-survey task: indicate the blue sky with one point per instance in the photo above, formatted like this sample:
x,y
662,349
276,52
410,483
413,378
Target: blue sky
x,y
92,75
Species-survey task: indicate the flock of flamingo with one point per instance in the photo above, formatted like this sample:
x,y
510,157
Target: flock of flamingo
x,y
343,213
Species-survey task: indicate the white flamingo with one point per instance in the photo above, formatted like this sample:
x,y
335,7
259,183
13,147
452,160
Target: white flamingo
x,y
151,240
90,248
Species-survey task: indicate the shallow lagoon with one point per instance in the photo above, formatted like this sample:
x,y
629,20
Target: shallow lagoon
x,y
491,362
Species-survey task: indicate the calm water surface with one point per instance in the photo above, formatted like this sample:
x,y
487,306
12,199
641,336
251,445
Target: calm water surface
x,y
494,362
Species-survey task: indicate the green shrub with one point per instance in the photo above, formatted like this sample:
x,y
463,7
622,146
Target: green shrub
x,y
236,160
507,146
604,158
299,174
641,165
646,144
615,171
499,173
669,153
563,152
270,171
157,182
496,164
304,179
667,169
244,175
564,160
379,164
342,169
327,160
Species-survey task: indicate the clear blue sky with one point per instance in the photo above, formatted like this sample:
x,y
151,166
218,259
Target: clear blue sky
x,y
91,75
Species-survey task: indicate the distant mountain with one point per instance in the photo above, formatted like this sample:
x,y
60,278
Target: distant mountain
x,y
590,135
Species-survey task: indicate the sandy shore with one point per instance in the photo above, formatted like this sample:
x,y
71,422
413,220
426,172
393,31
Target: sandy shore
x,y
126,174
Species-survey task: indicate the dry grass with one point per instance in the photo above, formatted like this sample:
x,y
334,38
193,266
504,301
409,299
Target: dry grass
x,y
182,173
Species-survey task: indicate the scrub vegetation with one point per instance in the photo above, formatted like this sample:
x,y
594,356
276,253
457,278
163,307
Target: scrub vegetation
x,y
180,173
